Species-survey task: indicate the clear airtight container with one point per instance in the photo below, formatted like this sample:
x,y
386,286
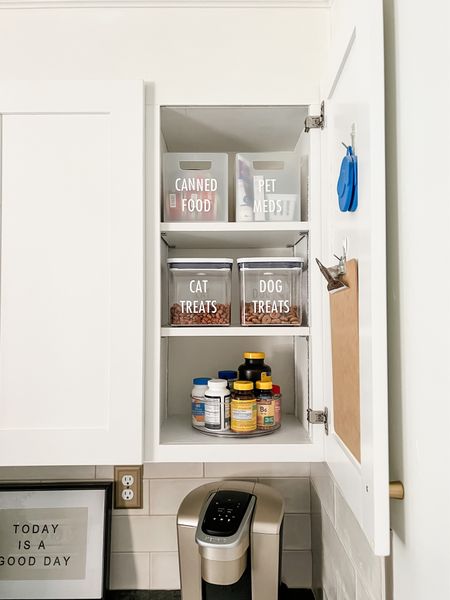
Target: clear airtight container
x,y
195,187
271,291
268,186
199,291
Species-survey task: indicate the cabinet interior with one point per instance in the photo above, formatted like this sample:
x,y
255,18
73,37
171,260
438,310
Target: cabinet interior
x,y
186,354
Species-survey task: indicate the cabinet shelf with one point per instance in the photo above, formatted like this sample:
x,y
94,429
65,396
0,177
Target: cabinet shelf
x,y
234,331
233,235
288,443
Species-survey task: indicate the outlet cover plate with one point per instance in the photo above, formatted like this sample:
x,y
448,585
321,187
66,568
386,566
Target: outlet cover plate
x,y
136,472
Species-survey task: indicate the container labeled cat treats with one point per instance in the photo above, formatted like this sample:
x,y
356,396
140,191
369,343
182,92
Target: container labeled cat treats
x,y
199,291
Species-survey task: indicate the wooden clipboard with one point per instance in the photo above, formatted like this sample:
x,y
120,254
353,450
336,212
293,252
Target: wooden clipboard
x,y
345,355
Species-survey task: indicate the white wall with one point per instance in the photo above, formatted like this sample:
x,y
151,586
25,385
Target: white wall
x,y
245,55
418,170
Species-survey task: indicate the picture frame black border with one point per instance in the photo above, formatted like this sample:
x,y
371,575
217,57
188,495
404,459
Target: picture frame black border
x,y
106,486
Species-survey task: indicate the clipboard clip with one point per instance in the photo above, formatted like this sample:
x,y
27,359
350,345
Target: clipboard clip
x,y
333,274
334,284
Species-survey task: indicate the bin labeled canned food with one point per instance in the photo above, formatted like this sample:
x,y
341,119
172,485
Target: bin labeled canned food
x,y
195,187
270,291
199,291
268,186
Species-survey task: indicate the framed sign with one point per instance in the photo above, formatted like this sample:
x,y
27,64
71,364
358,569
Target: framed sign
x,y
55,540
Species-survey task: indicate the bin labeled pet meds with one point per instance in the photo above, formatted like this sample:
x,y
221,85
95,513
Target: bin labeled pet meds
x,y
195,187
199,291
268,186
270,291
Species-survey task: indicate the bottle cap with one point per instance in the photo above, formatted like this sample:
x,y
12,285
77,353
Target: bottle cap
x,y
254,355
276,389
201,380
227,374
263,385
265,377
243,385
217,383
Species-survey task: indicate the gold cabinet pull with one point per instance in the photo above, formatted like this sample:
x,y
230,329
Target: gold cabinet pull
x,y
396,490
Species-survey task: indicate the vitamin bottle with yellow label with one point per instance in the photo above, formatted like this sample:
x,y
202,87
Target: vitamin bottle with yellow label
x,y
243,407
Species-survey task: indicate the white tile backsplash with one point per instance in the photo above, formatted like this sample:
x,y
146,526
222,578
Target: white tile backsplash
x,y
295,491
242,470
46,473
130,571
297,532
361,592
339,574
144,534
321,480
296,569
369,566
164,573
172,470
104,472
166,495
343,562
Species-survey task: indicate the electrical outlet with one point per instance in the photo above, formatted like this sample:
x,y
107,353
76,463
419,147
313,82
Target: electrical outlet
x,y
128,487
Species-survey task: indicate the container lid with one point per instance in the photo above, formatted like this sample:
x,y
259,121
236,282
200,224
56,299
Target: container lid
x,y
265,377
254,355
276,389
227,374
195,261
257,259
263,385
243,385
287,262
201,380
217,383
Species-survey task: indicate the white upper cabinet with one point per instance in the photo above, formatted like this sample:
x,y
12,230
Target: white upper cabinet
x,y
356,448
71,309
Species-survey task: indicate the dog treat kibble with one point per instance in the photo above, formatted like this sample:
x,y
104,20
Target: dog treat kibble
x,y
220,314
251,317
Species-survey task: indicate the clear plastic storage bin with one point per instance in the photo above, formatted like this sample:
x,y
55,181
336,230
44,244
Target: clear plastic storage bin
x,y
199,291
195,187
268,186
270,291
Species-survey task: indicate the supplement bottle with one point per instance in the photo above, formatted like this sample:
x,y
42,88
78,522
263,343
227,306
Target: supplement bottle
x,y
217,405
276,392
254,369
243,407
230,376
198,400
265,408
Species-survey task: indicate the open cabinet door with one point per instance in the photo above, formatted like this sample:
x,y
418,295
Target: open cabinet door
x,y
355,347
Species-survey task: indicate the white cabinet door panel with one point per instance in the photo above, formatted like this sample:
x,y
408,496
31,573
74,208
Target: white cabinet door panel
x,y
354,100
71,273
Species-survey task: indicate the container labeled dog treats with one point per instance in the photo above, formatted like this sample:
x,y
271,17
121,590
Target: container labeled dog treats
x,y
270,291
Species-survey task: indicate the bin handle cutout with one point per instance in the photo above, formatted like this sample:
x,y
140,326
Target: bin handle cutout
x,y
195,165
268,165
